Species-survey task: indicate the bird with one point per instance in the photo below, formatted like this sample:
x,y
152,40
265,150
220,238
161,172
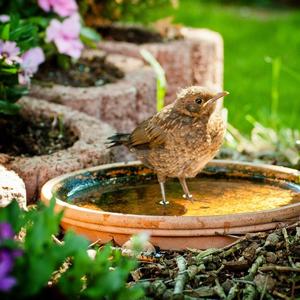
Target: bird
x,y
179,140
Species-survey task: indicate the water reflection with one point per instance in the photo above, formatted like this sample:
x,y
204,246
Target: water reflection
x,y
211,197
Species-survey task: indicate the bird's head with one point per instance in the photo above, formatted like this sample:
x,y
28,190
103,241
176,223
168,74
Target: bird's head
x,y
197,101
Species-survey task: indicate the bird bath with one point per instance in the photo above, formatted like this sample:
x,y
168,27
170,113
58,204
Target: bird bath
x,y
115,201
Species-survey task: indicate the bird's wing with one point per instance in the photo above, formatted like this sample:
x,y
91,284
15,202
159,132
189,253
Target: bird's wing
x,y
148,135
151,133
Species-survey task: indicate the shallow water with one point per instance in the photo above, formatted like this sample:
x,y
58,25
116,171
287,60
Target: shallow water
x,y
211,197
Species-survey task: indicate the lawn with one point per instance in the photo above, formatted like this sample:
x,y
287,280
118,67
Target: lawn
x,y
251,34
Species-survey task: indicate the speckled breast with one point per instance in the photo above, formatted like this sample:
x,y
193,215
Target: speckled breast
x,y
186,151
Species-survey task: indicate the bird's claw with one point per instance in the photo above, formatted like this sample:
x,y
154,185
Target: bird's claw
x,y
162,202
188,196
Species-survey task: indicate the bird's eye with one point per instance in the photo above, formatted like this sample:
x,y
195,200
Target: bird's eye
x,y
198,100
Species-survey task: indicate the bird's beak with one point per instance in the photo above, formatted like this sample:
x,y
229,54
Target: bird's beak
x,y
217,96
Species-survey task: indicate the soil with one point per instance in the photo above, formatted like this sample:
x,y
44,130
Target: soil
x,y
21,137
87,72
137,35
259,266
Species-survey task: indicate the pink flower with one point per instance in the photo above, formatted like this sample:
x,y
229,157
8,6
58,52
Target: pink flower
x,y
65,36
9,52
63,8
31,61
4,18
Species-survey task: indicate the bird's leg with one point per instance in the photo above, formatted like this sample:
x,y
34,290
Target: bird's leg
x,y
163,194
162,181
187,194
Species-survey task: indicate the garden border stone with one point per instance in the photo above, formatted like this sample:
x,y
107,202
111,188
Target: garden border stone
x,y
89,150
123,104
11,187
197,59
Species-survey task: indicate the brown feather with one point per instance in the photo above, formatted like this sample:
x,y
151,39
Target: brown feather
x,y
148,133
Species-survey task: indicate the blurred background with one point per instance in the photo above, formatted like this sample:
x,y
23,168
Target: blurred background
x,y
262,50
261,56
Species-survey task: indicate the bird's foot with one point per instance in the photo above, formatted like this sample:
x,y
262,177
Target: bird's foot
x,y
163,202
188,196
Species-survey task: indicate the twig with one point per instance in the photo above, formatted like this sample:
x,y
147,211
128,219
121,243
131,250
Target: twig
x,y
203,291
148,279
297,233
266,295
169,281
287,246
205,253
280,295
239,241
253,269
56,240
181,276
286,239
219,290
243,281
237,237
263,292
219,270
293,225
233,292
189,298
232,250
94,243
293,289
279,269
193,270
249,292
159,287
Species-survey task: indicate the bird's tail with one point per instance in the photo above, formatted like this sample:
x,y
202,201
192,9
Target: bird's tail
x,y
118,139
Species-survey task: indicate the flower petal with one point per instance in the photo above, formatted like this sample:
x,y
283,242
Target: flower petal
x,y
9,48
6,231
53,30
4,18
32,59
64,8
71,27
75,49
6,263
7,283
44,4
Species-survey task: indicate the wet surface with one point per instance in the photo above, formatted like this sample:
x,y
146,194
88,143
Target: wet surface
x,y
212,196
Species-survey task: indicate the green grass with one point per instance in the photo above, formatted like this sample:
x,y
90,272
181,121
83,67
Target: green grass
x,y
250,34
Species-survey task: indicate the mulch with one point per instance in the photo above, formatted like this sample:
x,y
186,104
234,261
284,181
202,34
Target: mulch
x,y
258,266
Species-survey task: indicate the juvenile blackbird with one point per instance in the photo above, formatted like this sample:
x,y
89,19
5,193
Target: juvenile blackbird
x,y
179,140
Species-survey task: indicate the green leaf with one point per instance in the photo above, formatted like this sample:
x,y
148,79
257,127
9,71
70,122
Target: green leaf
x,y
160,75
63,61
4,35
8,70
12,214
40,21
8,108
74,243
23,32
79,276
89,36
14,93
